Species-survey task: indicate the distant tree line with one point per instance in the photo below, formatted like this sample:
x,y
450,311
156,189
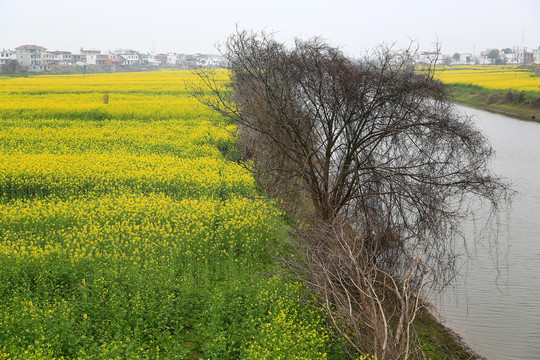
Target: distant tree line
x,y
12,67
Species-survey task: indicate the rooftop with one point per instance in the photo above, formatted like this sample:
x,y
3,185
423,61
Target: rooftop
x,y
30,47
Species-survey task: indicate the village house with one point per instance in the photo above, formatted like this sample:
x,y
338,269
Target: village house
x,y
31,57
61,57
190,61
128,56
150,59
144,58
427,58
6,56
37,59
511,58
464,59
77,59
175,59
536,56
89,56
46,58
204,60
517,57
161,59
218,61
524,56
108,61
483,59
101,59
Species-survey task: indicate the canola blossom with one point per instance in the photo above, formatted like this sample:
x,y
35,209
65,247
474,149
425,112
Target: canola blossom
x,y
501,78
30,175
127,231
180,139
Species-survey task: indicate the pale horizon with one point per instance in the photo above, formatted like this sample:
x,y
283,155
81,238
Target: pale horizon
x,y
185,27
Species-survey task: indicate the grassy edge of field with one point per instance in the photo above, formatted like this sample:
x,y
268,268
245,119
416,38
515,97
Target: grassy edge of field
x,y
440,342
485,99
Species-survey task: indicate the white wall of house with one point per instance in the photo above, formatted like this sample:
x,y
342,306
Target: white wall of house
x,y
153,60
90,56
536,56
484,60
6,55
511,58
61,57
132,58
31,57
466,59
129,57
175,59
91,59
437,58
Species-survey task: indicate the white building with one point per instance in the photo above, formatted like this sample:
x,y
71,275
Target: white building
x,y
536,56
6,56
427,58
219,61
175,59
102,59
519,56
61,57
464,59
208,60
524,56
128,57
483,59
511,58
153,59
90,56
494,57
31,57
157,59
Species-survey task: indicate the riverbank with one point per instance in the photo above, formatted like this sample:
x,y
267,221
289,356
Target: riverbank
x,y
489,102
440,342
504,89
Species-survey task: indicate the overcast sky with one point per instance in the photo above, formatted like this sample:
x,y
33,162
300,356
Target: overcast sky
x,y
196,26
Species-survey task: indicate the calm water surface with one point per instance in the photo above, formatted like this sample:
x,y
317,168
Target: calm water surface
x,y
498,311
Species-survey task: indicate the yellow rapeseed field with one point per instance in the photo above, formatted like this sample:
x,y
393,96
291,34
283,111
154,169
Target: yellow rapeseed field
x,y
127,230
492,77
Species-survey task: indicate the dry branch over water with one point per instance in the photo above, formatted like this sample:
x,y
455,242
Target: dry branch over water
x,y
382,163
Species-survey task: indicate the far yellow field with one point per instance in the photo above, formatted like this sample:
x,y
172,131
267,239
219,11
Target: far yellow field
x,y
492,77
150,96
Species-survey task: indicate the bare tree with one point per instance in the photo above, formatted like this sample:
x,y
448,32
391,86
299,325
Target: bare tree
x,y
388,164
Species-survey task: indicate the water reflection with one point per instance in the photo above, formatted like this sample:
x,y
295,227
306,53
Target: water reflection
x,y
497,311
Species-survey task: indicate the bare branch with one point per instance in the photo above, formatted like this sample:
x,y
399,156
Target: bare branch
x,y
380,157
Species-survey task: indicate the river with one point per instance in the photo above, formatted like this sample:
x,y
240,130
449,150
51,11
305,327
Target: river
x,y
495,306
